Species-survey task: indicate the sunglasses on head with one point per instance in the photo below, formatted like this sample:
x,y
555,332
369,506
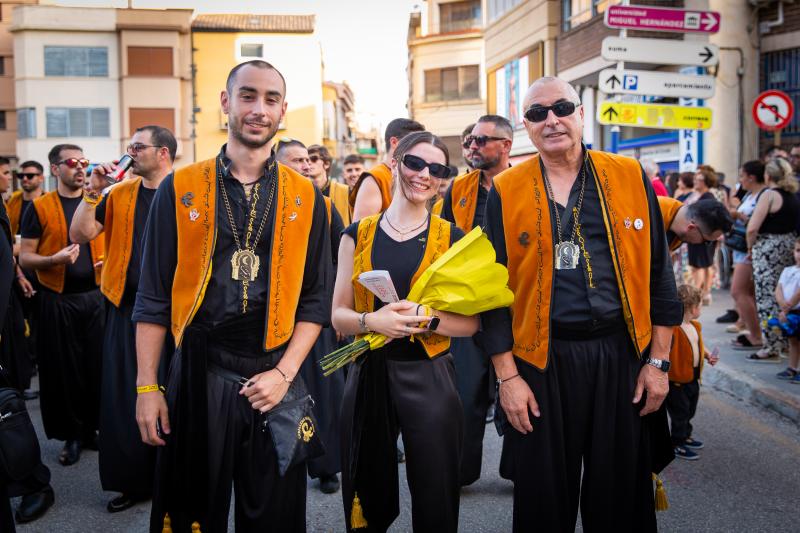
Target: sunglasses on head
x,y
481,140
73,162
435,169
538,113
28,175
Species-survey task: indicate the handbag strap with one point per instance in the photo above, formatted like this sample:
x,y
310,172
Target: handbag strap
x,y
226,374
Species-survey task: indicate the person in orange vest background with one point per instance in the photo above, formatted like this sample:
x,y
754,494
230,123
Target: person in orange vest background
x,y
589,330
69,352
237,266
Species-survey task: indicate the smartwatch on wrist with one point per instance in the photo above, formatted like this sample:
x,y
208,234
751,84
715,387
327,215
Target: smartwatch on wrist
x,y
434,321
659,364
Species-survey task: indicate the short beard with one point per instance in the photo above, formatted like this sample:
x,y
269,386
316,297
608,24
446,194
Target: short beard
x,y
236,131
483,164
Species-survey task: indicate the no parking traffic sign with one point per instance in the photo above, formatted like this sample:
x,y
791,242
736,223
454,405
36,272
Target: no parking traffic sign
x,y
773,110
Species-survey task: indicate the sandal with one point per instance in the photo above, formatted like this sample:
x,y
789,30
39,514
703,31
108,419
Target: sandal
x,y
763,357
743,343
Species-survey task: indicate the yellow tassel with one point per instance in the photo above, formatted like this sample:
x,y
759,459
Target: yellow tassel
x,y
167,524
27,329
357,520
662,504
196,528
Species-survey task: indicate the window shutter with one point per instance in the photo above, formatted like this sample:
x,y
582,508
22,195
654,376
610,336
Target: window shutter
x,y
57,122
99,122
97,59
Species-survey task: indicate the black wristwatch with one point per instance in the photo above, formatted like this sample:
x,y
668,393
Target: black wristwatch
x,y
434,322
659,364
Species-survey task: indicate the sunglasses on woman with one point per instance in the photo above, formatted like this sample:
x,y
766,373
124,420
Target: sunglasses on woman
x,y
73,162
538,113
435,169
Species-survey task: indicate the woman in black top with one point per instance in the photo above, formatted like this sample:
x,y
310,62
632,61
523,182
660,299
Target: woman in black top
x,y
770,239
404,386
701,256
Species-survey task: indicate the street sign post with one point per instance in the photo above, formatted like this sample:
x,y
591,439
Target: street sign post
x,y
654,83
668,117
772,111
690,142
660,51
661,19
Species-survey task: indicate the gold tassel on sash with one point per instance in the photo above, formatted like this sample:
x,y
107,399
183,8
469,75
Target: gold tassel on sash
x,y
167,524
196,528
662,504
27,329
357,520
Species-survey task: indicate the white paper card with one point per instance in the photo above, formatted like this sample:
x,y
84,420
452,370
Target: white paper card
x,y
379,283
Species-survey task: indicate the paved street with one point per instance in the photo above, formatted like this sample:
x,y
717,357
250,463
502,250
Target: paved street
x,y
746,479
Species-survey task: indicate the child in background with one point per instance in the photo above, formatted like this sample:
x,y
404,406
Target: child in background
x,y
686,362
787,294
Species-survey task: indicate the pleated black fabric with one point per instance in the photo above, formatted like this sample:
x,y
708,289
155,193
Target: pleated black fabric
x,y
417,398
327,393
70,346
13,349
588,426
126,463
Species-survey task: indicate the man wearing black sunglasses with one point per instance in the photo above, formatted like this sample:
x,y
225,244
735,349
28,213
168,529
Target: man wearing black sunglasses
x,y
373,192
464,204
69,351
589,330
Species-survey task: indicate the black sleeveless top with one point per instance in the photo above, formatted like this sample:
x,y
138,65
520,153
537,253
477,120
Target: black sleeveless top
x,y
784,219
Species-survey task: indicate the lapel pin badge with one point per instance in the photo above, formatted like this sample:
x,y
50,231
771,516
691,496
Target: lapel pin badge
x,y
292,216
187,198
297,201
627,223
638,224
194,214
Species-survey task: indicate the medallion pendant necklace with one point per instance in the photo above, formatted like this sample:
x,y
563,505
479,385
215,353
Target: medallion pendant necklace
x,y
244,261
567,253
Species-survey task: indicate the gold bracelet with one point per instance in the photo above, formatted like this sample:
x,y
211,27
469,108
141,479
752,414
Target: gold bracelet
x,y
92,200
147,388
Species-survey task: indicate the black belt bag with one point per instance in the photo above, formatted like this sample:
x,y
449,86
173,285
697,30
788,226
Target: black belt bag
x,y
291,423
19,446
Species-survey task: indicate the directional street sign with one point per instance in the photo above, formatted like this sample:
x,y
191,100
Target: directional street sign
x,y
656,83
660,51
662,19
668,117
773,110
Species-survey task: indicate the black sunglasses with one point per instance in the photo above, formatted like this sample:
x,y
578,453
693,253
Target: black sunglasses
x,y
538,113
417,164
481,140
28,175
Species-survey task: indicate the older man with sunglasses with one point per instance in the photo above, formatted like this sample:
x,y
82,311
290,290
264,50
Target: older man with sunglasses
x,y
582,355
71,305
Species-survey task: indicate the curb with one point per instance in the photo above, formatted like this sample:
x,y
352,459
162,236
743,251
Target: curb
x,y
745,388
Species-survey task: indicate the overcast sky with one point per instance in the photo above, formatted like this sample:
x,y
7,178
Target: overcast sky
x,y
363,42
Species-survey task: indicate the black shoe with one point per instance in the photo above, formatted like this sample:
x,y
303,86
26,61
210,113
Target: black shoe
x,y
35,505
30,394
121,502
329,484
401,457
71,453
90,442
730,317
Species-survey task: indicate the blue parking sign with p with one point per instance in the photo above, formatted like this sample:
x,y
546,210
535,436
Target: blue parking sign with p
x,y
630,82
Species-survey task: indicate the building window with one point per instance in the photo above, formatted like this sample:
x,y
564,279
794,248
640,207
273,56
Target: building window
x,y
459,16
83,61
3,120
148,116
77,122
456,83
252,50
149,61
497,8
577,12
26,123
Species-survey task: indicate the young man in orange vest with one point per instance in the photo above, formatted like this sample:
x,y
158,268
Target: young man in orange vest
x,y
338,193
372,193
702,221
464,204
70,350
589,330
237,266
126,463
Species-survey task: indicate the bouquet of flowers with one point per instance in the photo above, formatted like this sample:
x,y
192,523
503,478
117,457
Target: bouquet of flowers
x,y
465,280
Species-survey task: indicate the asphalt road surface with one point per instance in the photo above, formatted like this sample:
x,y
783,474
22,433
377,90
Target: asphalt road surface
x,y
746,480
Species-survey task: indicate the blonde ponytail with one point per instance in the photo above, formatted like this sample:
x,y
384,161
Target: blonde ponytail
x,y
781,174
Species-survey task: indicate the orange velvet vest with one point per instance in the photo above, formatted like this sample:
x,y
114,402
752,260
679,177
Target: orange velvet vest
x,y
681,358
54,238
339,194
14,209
529,243
436,209
464,199
118,229
196,221
669,208
383,177
438,243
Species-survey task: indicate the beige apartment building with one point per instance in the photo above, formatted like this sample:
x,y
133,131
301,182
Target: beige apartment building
x,y
446,69
338,120
91,76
